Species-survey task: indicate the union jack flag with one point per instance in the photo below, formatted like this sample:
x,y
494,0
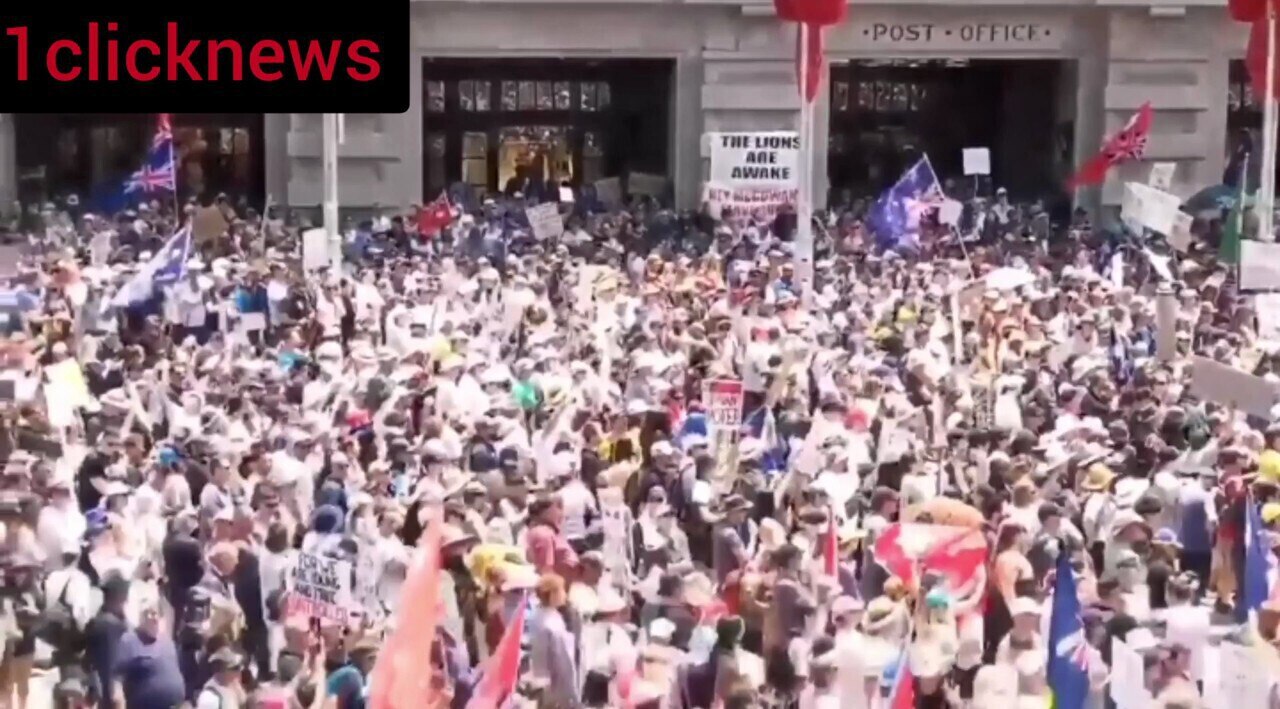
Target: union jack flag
x,y
150,179
1130,143
157,173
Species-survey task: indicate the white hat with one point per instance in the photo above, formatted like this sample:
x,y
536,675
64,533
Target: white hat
x,y
662,630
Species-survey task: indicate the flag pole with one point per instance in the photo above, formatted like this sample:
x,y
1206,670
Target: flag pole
x,y
1267,184
329,160
803,257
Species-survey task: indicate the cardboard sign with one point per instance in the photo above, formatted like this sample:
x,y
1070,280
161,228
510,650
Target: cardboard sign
x,y
1161,176
315,250
1267,306
1128,689
977,161
545,221
764,204
322,588
1149,208
642,183
1226,385
1259,265
609,191
769,159
1242,679
723,399
949,212
1180,236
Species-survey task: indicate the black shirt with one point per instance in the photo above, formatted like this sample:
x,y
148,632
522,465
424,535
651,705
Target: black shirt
x,y
102,642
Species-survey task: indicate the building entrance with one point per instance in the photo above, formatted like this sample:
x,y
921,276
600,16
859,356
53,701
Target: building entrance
x,y
884,115
507,125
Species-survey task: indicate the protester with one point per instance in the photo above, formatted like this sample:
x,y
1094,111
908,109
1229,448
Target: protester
x,y
646,453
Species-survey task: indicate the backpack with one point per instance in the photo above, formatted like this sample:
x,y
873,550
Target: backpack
x,y
57,624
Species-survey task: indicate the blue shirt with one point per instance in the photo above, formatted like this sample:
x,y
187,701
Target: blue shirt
x,y
346,684
149,672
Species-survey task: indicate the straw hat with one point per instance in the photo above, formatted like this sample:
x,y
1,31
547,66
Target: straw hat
x,y
1098,478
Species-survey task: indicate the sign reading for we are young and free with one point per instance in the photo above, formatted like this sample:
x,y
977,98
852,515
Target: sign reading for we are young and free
x,y
769,159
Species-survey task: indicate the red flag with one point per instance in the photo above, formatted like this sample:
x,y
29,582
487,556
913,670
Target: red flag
x,y
890,554
402,677
831,548
435,216
499,673
809,60
903,695
1130,143
1255,60
1247,10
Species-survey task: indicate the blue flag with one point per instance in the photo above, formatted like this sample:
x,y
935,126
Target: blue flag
x,y
1068,668
1256,549
169,265
895,217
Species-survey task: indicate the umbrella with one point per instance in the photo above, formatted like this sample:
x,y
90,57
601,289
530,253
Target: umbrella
x,y
1217,198
947,511
1009,278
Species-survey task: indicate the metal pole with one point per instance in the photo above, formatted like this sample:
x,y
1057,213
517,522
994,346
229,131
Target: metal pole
x,y
1267,183
803,257
330,169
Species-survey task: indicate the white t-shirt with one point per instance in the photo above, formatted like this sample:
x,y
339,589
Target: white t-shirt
x,y
577,500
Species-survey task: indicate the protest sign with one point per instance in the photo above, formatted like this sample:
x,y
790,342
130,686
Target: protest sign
x,y
100,248
1180,236
755,159
1267,306
545,220
723,399
609,191
747,202
321,588
315,249
642,183
1259,265
949,212
1226,385
1146,207
1128,689
977,161
1161,176
1241,678
566,194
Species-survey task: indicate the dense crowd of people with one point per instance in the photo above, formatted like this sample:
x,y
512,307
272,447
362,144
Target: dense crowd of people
x,y
174,447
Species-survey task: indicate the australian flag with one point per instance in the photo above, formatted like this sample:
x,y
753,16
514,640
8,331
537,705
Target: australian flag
x,y
169,265
158,171
895,217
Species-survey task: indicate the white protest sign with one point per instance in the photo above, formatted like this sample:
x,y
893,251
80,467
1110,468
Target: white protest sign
x,y
1146,207
755,159
747,202
950,211
566,194
1259,265
1226,385
723,399
322,588
1180,236
545,220
1191,629
1161,176
1267,306
977,161
1128,689
1242,681
315,249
